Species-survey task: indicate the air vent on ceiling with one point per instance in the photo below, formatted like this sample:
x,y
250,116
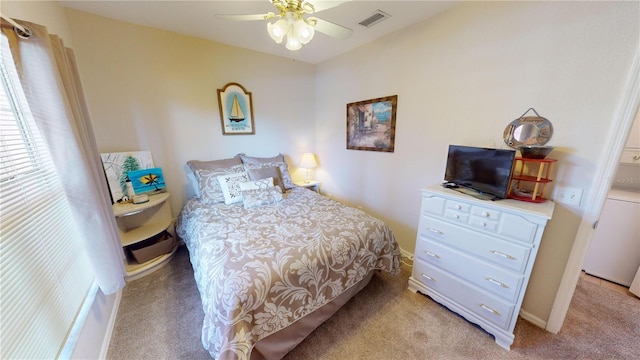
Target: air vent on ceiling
x,y
377,16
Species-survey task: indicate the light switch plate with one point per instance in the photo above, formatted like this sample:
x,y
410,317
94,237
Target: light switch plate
x,y
569,196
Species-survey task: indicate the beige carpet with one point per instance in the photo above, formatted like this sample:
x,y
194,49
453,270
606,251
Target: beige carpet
x,y
161,315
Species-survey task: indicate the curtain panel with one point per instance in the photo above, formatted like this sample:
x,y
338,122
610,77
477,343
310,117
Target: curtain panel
x,y
50,79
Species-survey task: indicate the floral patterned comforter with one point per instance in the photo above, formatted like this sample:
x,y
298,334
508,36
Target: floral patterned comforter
x,y
260,270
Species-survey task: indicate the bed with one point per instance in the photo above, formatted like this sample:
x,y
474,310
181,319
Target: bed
x,y
273,266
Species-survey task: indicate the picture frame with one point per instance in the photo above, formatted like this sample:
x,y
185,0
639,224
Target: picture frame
x,y
116,165
371,124
147,181
236,110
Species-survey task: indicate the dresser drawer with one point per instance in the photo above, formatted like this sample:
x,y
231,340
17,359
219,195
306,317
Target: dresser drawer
x,y
485,213
630,156
498,281
487,219
517,228
445,207
457,216
458,206
481,303
497,251
432,205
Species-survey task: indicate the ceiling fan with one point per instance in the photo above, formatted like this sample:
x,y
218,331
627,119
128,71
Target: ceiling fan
x,y
291,23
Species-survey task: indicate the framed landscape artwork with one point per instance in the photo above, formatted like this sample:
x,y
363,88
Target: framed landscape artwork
x,y
236,110
147,181
371,124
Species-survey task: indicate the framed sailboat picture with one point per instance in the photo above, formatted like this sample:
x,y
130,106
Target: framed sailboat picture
x,y
236,110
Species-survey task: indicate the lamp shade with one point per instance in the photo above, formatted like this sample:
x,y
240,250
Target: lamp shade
x,y
304,31
277,30
293,43
308,161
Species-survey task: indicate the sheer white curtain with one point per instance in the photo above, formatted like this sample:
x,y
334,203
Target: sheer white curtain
x,y
49,77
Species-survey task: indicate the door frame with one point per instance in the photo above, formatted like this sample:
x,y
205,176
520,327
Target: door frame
x,y
618,133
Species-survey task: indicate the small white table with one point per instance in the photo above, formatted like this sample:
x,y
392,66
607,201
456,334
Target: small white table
x,y
312,185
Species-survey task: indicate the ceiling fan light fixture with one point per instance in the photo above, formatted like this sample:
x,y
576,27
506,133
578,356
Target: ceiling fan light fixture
x,y
289,22
278,30
294,27
304,31
293,42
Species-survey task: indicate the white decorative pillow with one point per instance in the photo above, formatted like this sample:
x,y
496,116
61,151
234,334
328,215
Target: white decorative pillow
x,y
259,197
230,185
257,184
208,185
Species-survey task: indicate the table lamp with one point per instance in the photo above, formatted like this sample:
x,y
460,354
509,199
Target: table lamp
x,y
308,162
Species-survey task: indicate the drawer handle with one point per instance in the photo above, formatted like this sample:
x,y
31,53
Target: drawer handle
x,y
431,254
495,312
636,157
496,282
507,256
428,277
435,231
486,214
458,207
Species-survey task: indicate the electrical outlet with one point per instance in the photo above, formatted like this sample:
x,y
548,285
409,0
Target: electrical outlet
x,y
569,196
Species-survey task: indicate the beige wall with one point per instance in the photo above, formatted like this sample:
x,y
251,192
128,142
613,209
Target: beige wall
x,y
47,13
155,90
460,79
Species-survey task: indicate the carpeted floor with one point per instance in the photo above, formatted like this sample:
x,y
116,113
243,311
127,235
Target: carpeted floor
x,y
160,317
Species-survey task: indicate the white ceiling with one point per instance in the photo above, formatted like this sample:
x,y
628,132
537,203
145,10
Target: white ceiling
x,y
196,18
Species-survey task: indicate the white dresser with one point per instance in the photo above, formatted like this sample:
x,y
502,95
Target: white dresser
x,y
475,256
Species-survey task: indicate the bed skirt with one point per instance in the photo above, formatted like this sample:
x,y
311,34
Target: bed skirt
x,y
278,344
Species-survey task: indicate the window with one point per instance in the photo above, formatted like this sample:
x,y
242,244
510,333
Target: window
x,y
43,267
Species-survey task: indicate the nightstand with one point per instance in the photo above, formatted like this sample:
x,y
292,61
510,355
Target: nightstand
x,y
146,234
312,185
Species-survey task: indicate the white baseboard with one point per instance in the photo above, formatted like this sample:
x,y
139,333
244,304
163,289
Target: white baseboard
x,y
95,335
533,319
406,254
112,322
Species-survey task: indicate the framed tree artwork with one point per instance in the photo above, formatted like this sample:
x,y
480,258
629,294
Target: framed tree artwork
x,y
236,110
371,124
117,166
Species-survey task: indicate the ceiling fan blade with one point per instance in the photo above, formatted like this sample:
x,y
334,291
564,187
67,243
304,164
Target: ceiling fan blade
x,y
331,29
320,5
246,17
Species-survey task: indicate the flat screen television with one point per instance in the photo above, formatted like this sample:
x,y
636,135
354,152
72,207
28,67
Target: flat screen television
x,y
481,169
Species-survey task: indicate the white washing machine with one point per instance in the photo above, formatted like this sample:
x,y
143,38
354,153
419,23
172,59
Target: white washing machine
x,y
614,253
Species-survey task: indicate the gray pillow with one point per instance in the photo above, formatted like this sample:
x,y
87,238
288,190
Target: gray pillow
x,y
195,165
252,162
267,172
261,160
210,190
